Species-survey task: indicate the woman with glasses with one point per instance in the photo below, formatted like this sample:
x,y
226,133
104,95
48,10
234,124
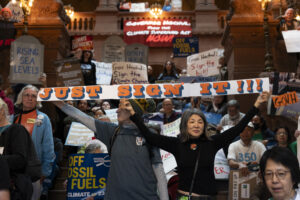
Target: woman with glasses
x,y
284,139
280,172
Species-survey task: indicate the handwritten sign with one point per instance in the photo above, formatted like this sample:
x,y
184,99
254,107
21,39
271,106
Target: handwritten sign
x,y
136,53
171,129
221,167
68,72
129,73
103,73
141,91
183,47
87,176
204,63
78,135
113,50
285,99
27,60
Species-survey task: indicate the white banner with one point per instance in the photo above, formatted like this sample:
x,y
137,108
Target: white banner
x,y
292,40
204,64
141,91
78,135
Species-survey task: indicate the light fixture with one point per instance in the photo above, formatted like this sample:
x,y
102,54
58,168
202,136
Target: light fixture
x,y
69,10
156,10
264,3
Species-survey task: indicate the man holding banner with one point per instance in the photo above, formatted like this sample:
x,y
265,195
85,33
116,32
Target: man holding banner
x,y
136,168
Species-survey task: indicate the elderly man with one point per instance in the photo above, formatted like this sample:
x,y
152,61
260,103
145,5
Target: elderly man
x,y
288,21
39,127
245,152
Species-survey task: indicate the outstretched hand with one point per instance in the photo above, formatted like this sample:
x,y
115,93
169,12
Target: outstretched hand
x,y
125,104
262,98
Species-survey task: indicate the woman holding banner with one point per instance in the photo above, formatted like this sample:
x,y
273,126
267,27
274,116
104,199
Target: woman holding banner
x,y
136,170
193,150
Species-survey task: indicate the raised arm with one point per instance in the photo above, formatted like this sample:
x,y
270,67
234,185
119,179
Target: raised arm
x,y
163,142
227,136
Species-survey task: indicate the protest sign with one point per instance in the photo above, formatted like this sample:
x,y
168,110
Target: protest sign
x,y
17,11
78,135
112,115
291,40
84,42
113,50
87,176
285,83
171,130
27,60
156,32
68,72
285,99
103,73
221,167
136,53
241,187
137,7
204,64
213,118
142,91
129,73
185,46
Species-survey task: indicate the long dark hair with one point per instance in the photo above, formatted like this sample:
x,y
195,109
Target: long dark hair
x,y
82,56
184,135
173,69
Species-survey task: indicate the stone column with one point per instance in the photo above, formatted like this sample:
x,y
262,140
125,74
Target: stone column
x,y
206,16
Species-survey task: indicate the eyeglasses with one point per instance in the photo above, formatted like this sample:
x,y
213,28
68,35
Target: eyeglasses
x,y
279,174
33,96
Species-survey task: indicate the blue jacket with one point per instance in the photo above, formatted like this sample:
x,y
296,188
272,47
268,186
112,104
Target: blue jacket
x,y
43,142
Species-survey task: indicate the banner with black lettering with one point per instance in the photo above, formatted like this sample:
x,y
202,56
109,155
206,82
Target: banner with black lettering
x,y
141,91
87,176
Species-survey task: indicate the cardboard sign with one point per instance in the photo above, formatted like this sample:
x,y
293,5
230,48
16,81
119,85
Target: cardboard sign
x,y
204,64
285,99
291,40
103,73
183,47
156,32
141,91
87,176
78,135
69,72
241,187
129,73
82,42
136,53
27,60
113,50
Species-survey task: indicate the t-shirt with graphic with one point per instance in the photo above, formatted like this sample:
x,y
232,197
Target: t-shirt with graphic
x,y
239,152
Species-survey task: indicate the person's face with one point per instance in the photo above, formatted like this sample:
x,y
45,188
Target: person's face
x,y
167,105
87,55
169,66
150,70
105,105
218,100
278,180
6,15
83,105
256,120
98,114
247,134
29,99
123,114
289,14
195,126
232,111
281,136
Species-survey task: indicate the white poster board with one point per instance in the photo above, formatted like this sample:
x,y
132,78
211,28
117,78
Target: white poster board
x,y
103,73
204,64
112,115
27,60
292,40
78,135
128,72
221,167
